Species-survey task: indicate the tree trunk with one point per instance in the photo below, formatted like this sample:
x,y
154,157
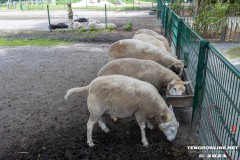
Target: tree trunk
x,y
197,6
70,15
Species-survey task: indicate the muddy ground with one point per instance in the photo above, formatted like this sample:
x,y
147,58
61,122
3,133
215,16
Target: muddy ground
x,y
37,123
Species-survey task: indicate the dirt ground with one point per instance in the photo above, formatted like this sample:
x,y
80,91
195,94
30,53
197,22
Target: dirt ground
x,y
37,123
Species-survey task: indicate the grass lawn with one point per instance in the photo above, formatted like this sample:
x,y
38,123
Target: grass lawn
x,y
31,42
234,53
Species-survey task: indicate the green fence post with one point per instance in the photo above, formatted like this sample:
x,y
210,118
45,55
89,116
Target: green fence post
x,y
166,21
180,23
21,7
159,8
200,80
168,24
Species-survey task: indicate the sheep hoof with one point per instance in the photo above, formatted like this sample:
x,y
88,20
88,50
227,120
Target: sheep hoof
x,y
114,118
91,144
151,127
145,143
106,130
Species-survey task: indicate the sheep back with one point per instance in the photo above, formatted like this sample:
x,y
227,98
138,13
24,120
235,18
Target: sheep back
x,y
155,35
151,40
133,48
144,70
122,96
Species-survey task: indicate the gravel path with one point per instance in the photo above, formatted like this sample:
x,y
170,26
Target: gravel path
x,y
36,122
224,47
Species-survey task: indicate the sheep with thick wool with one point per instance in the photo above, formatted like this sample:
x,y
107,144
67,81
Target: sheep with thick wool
x,y
148,71
123,96
151,40
155,35
133,48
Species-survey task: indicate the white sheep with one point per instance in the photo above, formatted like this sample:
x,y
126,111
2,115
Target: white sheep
x,y
155,35
123,96
103,26
133,48
148,71
77,25
151,40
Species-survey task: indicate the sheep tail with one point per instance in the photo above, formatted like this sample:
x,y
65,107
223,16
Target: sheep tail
x,y
75,90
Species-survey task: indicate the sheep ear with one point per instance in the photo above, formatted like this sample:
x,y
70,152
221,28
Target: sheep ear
x,y
170,107
173,82
170,85
187,82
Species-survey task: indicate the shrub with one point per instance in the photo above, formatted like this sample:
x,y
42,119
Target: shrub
x,y
128,26
211,16
111,27
92,28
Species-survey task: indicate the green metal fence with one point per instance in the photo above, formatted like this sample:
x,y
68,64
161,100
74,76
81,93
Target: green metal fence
x,y
216,86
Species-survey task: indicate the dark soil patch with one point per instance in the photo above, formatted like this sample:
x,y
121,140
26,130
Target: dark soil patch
x,y
37,123
122,142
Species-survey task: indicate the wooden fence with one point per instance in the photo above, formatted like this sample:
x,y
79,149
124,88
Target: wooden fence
x,y
227,31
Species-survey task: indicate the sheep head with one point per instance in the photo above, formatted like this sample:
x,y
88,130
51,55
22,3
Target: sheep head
x,y
177,67
170,128
176,87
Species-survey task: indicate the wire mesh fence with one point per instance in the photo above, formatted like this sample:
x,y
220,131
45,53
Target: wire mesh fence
x,y
222,85
216,87
32,20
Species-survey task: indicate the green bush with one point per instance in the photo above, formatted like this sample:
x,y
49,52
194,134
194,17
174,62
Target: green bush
x,y
176,7
111,27
92,28
211,16
128,26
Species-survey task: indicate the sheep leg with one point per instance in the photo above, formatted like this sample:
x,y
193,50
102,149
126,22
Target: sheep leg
x,y
144,139
90,125
141,119
103,125
149,125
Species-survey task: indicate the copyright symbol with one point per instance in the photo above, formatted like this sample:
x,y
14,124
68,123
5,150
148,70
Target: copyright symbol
x,y
201,155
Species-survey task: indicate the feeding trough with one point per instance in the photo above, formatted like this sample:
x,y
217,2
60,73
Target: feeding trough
x,y
185,100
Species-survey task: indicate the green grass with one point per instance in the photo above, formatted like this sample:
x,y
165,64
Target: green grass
x,y
233,53
31,42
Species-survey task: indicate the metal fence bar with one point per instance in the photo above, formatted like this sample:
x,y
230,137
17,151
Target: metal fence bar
x,y
180,23
200,80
